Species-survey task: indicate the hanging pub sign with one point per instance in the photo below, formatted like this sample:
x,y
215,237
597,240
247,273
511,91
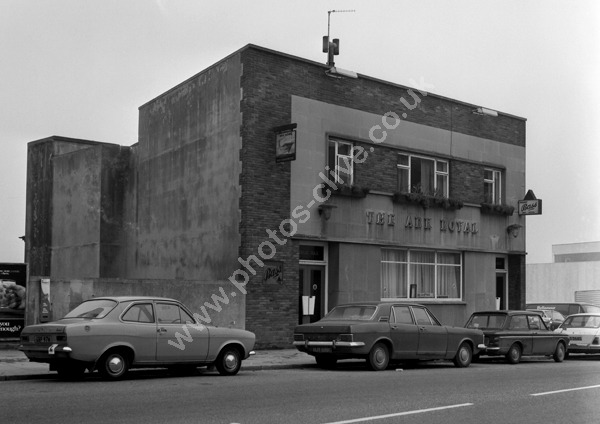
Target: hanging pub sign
x,y
13,290
285,143
530,205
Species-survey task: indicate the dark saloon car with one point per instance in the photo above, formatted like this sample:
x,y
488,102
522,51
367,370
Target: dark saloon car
x,y
381,332
514,334
114,334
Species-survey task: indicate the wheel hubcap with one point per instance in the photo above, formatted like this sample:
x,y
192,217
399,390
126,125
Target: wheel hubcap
x,y
230,361
379,357
115,365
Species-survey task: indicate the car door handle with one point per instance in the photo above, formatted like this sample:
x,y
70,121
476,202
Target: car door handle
x,y
161,330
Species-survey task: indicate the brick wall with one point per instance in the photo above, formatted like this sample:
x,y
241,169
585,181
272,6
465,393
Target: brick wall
x,y
268,81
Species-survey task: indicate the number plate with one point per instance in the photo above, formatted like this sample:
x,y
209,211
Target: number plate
x,y
41,339
321,349
575,338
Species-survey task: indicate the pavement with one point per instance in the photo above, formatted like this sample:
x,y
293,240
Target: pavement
x,y
14,365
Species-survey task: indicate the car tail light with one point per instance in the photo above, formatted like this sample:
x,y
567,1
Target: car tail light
x,y
24,339
596,341
61,338
492,341
298,337
345,338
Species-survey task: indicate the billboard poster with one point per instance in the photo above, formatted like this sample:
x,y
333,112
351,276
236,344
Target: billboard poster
x,y
13,289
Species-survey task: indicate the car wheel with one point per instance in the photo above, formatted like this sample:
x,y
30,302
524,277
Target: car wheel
x,y
229,361
514,354
325,361
560,353
113,365
71,371
464,355
379,357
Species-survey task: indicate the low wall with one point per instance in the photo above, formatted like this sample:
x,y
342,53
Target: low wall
x,y
217,298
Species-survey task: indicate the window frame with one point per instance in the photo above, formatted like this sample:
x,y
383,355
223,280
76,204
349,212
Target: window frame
x,y
407,268
496,185
333,160
445,174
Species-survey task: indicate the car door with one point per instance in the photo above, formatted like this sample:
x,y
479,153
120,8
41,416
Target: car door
x,y
179,337
518,331
403,332
139,330
543,340
433,338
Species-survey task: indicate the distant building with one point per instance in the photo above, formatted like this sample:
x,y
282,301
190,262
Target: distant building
x,y
573,276
267,189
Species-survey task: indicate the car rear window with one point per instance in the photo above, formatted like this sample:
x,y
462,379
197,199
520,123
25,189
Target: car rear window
x,y
487,322
92,309
351,313
585,321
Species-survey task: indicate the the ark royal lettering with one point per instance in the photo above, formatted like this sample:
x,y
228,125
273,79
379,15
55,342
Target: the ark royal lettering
x,y
413,222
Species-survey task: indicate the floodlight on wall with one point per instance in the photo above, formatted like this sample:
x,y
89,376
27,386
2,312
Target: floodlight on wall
x,y
514,230
325,211
485,111
339,73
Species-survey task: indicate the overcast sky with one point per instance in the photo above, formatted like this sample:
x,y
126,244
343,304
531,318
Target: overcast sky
x,y
82,68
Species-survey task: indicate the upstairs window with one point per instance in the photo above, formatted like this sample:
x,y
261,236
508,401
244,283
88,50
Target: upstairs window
x,y
492,186
419,174
340,161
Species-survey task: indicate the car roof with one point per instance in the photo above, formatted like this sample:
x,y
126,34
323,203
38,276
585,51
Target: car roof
x,y
130,298
507,312
378,303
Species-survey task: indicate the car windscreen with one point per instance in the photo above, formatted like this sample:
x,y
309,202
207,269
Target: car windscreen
x,y
582,321
92,309
487,321
351,313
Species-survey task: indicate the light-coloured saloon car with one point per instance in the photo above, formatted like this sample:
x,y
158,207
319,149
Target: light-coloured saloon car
x,y
583,331
114,334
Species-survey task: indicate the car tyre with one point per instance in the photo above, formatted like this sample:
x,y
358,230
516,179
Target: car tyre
x,y
113,365
379,357
229,361
326,361
513,356
464,356
560,353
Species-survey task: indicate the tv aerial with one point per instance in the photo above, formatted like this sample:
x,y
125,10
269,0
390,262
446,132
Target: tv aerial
x,y
332,48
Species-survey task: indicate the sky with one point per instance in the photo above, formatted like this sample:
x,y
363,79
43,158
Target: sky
x,y
81,69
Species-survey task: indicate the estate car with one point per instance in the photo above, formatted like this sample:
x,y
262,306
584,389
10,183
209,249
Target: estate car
x,y
514,334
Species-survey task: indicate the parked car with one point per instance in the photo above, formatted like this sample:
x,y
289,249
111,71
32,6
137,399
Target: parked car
x,y
566,308
114,334
514,334
583,331
380,332
552,318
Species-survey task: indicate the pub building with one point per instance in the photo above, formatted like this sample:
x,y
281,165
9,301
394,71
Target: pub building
x,y
268,188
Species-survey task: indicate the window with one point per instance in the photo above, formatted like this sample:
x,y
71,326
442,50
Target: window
x,y
341,161
418,174
420,274
402,315
169,313
492,186
141,312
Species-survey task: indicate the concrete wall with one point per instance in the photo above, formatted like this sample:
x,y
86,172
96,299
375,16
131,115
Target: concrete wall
x,y
186,217
65,294
558,282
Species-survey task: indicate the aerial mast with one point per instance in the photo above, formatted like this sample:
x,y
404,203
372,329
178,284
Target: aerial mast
x,y
332,48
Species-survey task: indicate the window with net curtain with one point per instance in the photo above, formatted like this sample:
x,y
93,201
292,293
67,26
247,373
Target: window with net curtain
x,y
420,274
418,174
